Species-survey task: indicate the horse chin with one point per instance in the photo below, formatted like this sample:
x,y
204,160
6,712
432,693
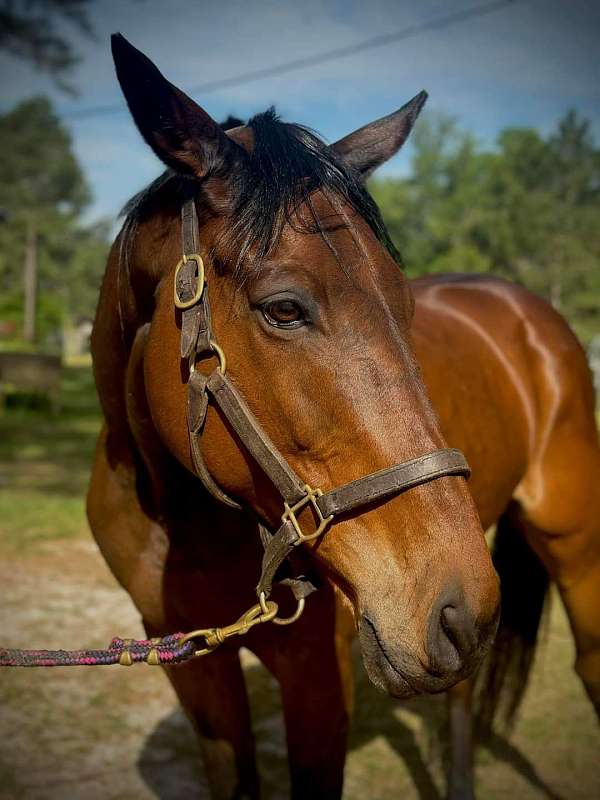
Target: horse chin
x,y
401,675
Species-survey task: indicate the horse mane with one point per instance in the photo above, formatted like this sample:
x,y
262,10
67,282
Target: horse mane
x,y
287,164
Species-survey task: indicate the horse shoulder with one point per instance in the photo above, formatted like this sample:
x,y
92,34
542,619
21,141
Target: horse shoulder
x,y
505,369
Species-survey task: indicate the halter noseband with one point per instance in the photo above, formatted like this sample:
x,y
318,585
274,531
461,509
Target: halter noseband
x,y
191,297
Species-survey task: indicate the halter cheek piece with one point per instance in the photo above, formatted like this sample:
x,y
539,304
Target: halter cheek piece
x,y
197,339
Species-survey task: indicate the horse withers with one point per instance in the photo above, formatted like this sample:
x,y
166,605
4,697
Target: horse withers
x,y
313,313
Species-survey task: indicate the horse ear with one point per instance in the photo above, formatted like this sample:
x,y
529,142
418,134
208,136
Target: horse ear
x,y
181,133
369,147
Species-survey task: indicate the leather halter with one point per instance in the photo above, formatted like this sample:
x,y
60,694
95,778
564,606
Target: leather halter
x,y
191,297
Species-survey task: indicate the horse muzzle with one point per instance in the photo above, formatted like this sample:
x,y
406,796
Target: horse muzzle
x,y
455,645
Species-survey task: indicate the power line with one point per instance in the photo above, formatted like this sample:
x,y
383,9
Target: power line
x,y
445,21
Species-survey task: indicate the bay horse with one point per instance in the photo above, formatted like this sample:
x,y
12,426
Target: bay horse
x,y
320,331
513,389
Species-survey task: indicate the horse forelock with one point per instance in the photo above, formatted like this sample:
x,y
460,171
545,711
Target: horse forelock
x,y
286,164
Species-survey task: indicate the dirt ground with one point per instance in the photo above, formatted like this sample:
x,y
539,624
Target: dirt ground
x,y
111,732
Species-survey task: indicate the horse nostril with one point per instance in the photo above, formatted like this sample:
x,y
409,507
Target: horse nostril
x,y
452,635
458,628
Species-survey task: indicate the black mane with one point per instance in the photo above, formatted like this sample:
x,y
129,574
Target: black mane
x,y
287,164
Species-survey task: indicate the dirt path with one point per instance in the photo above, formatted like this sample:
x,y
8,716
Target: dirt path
x,y
108,733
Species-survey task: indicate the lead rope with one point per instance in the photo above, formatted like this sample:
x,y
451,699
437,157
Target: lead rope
x,y
171,649
176,648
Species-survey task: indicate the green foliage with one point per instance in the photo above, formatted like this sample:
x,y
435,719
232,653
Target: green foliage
x,y
528,210
39,170
42,188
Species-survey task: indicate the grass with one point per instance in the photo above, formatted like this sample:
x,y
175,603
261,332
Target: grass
x,y
106,733
44,464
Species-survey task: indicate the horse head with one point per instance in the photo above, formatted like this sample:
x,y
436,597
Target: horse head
x,y
314,313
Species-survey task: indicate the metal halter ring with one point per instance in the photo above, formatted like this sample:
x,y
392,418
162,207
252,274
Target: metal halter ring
x,y
218,351
220,355
183,304
264,604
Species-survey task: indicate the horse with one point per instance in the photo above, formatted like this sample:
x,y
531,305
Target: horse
x,y
321,333
512,387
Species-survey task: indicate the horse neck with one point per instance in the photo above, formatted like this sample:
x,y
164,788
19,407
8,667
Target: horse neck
x,y
141,256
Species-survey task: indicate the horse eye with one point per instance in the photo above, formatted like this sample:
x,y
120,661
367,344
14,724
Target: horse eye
x,y
283,313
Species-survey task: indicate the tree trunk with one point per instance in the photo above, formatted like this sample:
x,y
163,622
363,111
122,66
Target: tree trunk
x,y
30,282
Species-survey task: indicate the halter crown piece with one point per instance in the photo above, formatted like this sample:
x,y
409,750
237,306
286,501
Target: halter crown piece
x,y
197,339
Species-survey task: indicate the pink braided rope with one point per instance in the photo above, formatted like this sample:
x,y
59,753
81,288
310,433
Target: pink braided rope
x,y
168,650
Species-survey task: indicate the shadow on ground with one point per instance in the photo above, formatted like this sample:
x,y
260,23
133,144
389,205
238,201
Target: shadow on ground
x,y
170,754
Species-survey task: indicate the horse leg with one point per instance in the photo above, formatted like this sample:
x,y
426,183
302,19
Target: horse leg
x,y
582,601
571,555
312,663
504,674
566,537
562,524
211,689
460,773
574,561
213,694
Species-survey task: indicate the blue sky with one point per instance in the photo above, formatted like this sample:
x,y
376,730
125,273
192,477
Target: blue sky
x,y
523,65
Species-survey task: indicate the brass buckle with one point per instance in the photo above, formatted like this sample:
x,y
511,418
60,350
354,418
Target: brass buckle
x,y
183,304
309,498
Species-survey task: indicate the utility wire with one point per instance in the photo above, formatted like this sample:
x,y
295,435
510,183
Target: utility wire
x,y
445,21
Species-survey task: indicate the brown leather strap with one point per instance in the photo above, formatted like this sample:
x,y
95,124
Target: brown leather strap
x,y
278,548
382,484
196,414
196,328
254,438
301,586
361,492
197,404
196,337
189,227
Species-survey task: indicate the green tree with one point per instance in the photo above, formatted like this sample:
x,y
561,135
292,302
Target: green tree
x,y
42,194
433,214
528,210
